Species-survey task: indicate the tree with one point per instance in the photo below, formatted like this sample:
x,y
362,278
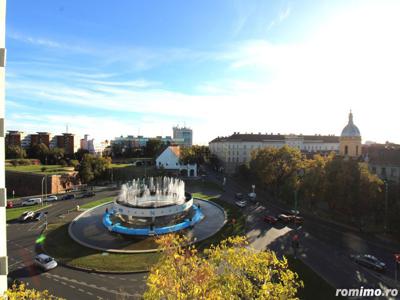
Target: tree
x,y
93,167
14,151
55,155
153,148
39,151
194,154
80,153
273,167
21,292
230,270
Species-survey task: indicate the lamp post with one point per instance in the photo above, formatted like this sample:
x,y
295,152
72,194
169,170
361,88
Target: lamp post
x,y
299,175
44,177
386,204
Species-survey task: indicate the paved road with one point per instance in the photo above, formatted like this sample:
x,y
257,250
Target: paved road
x,y
63,281
324,246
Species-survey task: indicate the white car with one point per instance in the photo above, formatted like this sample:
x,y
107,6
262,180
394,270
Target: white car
x,y
26,216
31,201
45,262
241,203
50,198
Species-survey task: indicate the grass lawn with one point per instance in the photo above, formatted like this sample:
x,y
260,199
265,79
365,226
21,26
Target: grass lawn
x,y
14,213
96,203
75,255
199,184
315,287
116,166
50,169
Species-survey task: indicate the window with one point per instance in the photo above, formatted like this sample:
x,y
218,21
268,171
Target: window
x,y
393,172
356,150
346,150
374,169
383,172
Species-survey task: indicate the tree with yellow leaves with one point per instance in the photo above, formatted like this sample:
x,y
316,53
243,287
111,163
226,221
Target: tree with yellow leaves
x,y
21,292
230,270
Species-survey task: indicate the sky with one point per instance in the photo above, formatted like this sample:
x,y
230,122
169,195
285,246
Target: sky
x,y
112,68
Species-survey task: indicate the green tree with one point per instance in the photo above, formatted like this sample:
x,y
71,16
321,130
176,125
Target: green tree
x,y
230,270
92,167
274,168
153,148
14,151
21,292
39,151
55,155
80,153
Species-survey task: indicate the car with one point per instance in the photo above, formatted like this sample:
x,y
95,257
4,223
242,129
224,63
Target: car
x,y
285,218
45,262
50,198
369,261
26,216
252,196
10,204
270,219
241,203
87,194
39,215
68,197
294,212
297,220
239,196
31,201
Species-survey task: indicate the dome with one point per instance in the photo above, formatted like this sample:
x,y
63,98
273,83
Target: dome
x,y
351,130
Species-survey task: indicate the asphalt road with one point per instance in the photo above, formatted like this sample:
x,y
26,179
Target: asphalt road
x,y
62,281
324,246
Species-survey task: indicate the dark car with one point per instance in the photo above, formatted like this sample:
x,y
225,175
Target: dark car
x,y
239,196
68,197
39,216
285,218
369,261
88,194
270,219
297,220
10,204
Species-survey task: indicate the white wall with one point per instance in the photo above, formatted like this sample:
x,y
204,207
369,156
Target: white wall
x,y
168,160
3,228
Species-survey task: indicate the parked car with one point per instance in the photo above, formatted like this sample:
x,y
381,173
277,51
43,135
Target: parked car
x,y
294,212
270,219
369,261
284,218
241,203
87,194
50,198
31,201
26,216
45,262
252,196
239,196
68,197
39,215
10,204
297,220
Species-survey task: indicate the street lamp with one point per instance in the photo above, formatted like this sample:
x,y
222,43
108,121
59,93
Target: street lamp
x,y
299,174
44,177
386,204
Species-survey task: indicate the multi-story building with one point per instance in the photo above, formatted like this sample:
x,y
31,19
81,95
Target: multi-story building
x,y
236,149
92,146
66,141
40,138
383,160
184,133
14,138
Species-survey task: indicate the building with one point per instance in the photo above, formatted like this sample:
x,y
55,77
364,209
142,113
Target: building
x,y
236,149
96,148
350,140
169,160
383,160
14,138
184,133
66,141
3,198
40,138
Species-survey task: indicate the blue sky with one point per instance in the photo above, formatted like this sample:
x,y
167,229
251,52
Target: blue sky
x,y
140,67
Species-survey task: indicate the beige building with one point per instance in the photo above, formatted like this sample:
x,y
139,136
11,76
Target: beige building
x,y
236,149
350,140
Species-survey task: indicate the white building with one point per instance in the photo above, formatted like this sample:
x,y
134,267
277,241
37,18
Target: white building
x,y
169,159
3,198
92,146
184,133
236,149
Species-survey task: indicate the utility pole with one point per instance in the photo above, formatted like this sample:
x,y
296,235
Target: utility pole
x,y
386,206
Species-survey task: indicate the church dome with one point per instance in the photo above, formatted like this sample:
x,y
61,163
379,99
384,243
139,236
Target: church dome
x,y
351,130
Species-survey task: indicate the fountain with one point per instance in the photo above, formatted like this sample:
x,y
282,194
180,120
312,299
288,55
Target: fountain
x,y
152,206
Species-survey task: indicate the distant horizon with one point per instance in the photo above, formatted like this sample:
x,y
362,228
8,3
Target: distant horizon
x,y
136,68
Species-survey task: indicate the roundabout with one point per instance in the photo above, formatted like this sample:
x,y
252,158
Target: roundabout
x,y
144,210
